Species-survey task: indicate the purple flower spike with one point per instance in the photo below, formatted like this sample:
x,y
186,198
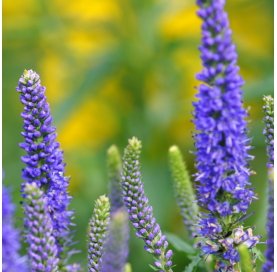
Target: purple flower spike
x,y
11,260
221,141
269,133
268,109
117,251
98,233
114,165
44,162
137,206
42,249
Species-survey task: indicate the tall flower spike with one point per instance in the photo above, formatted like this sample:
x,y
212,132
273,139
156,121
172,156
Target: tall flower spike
x,y
183,190
98,233
11,260
44,161
269,133
43,250
114,164
117,250
140,213
221,141
269,128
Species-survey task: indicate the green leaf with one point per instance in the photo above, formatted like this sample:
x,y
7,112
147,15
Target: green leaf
x,y
153,267
179,244
259,254
193,265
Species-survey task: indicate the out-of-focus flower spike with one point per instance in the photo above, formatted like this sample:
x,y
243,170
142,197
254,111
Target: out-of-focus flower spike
x,y
44,162
184,192
114,165
11,260
140,213
42,251
116,253
117,250
269,133
98,233
269,253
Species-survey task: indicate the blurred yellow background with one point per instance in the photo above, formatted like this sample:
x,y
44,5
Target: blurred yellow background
x,y
118,68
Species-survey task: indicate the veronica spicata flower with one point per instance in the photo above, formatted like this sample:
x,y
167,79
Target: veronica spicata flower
x,y
140,213
114,165
269,128
116,253
222,143
183,190
98,233
43,249
11,260
269,133
44,161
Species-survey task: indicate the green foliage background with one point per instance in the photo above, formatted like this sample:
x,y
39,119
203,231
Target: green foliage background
x,y
118,68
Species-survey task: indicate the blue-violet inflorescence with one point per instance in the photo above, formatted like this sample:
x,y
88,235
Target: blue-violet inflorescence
x,y
44,162
114,166
269,133
42,249
117,250
221,142
11,260
140,213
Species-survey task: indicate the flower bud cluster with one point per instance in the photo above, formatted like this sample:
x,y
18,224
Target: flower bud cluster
x,y
222,143
11,260
42,250
183,190
140,213
44,161
98,233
